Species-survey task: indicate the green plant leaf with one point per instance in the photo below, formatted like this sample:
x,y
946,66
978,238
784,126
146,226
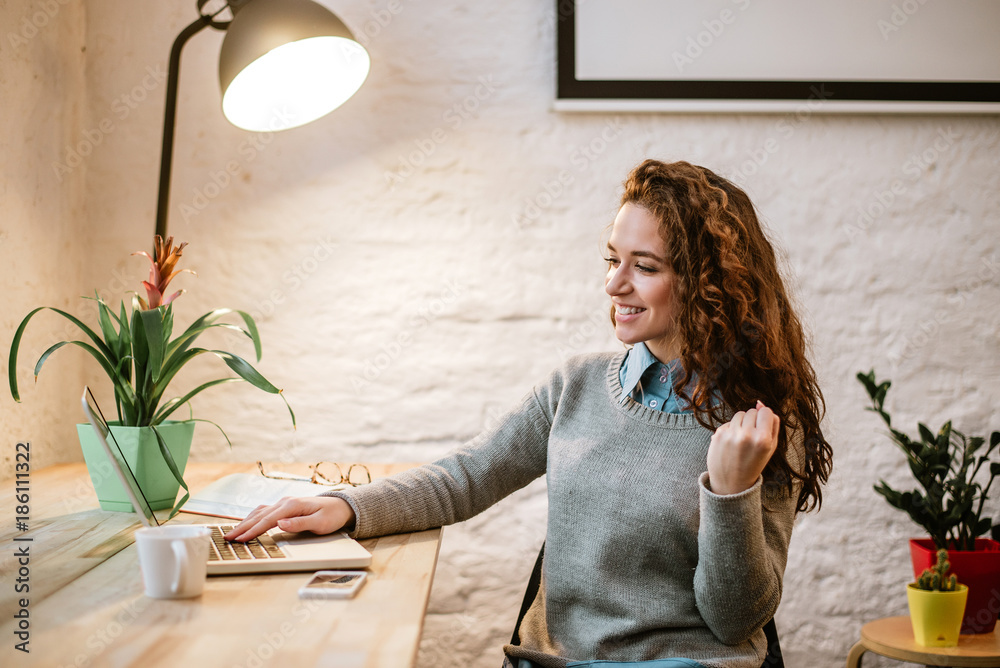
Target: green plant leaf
x,y
152,325
894,498
243,368
224,435
98,343
182,344
140,349
125,339
107,327
123,366
123,318
16,344
252,332
168,324
105,364
179,345
12,358
944,436
168,408
97,298
171,367
868,380
252,376
903,441
879,397
246,371
169,460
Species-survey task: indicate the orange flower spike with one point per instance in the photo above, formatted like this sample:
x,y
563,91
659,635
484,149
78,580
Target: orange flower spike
x,y
169,257
161,271
168,260
160,249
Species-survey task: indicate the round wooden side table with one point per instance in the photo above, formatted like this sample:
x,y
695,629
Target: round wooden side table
x,y
893,637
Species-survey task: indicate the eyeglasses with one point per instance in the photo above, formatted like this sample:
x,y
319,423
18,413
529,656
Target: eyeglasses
x,y
325,473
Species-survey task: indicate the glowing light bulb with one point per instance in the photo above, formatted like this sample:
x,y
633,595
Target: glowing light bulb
x,y
296,83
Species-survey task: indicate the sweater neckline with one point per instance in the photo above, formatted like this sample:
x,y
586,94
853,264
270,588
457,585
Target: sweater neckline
x,y
636,410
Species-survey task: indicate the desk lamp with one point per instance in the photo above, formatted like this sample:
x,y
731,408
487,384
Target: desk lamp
x,y
284,63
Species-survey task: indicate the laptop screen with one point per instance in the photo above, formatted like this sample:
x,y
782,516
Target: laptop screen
x,y
117,458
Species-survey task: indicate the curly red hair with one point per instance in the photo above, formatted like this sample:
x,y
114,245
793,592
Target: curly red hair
x,y
739,333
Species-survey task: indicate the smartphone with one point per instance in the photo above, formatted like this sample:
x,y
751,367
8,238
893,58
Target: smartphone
x,y
333,584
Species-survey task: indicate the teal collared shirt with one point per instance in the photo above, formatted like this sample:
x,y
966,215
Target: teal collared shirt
x,y
649,381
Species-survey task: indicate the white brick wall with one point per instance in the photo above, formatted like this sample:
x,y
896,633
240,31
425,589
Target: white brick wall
x,y
43,220
422,256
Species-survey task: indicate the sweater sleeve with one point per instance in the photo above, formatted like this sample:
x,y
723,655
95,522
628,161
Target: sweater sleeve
x,y
464,483
742,550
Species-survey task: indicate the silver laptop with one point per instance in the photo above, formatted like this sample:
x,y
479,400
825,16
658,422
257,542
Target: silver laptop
x,y
271,552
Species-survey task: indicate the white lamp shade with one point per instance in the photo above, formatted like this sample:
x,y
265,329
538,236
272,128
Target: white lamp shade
x,y
285,63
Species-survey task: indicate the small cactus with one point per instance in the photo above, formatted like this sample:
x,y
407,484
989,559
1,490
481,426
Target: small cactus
x,y
936,578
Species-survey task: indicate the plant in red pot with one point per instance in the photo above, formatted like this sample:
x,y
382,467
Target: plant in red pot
x,y
955,472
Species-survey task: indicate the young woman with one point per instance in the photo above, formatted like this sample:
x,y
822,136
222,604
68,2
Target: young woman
x,y
674,469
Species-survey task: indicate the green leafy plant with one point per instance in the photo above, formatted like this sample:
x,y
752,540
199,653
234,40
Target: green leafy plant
x,y
945,465
936,578
139,353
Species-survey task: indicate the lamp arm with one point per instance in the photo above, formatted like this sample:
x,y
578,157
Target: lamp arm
x,y
167,152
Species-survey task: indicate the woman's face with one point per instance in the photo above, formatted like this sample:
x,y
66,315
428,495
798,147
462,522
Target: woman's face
x,y
641,283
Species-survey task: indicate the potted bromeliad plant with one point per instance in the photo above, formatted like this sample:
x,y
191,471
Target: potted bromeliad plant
x,y
955,473
937,604
140,354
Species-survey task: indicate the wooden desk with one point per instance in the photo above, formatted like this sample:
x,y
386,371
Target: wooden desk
x,y
893,637
86,606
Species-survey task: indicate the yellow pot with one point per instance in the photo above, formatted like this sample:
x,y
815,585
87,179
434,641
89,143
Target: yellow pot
x,y
936,615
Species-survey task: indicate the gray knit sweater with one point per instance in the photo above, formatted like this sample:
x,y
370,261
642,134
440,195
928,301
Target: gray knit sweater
x,y
642,560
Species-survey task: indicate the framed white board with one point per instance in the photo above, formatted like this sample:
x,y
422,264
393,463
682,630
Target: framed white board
x,y
896,56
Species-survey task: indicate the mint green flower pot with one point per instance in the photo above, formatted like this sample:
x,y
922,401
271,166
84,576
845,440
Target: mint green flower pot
x,y
142,453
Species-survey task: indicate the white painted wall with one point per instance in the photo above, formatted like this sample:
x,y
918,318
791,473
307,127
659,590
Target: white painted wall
x,y
43,225
422,256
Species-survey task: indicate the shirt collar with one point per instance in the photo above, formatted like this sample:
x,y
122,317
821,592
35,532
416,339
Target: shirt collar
x,y
638,360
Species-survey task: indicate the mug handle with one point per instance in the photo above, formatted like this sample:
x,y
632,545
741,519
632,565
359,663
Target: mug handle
x,y
183,561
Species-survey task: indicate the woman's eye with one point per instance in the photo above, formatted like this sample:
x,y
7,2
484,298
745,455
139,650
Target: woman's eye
x,y
644,269
612,261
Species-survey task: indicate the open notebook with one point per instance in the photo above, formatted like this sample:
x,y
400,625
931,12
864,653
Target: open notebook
x,y
273,551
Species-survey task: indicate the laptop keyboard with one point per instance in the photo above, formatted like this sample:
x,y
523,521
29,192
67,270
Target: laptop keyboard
x,y
261,547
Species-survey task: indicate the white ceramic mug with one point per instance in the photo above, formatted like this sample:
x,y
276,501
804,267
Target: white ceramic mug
x,y
174,560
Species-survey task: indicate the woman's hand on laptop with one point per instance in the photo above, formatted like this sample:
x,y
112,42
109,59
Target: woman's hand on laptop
x,y
318,514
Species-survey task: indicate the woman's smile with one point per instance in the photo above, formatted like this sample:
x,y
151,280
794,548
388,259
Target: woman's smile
x,y
625,314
